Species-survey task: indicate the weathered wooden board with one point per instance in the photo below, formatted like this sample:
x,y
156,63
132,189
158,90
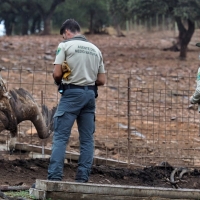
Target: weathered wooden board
x,y
78,196
40,194
75,156
72,190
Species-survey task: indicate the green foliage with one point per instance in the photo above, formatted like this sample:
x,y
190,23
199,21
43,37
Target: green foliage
x,y
188,9
44,6
69,9
24,15
95,13
82,12
144,9
16,13
29,16
120,9
24,194
179,8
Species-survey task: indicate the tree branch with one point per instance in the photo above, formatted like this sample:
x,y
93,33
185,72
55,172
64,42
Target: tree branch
x,y
54,5
51,10
180,25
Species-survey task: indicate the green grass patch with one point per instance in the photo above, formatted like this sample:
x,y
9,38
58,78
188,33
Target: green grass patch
x,y
24,194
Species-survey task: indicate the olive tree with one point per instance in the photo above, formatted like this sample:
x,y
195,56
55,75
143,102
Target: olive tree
x,y
120,12
46,10
25,13
184,13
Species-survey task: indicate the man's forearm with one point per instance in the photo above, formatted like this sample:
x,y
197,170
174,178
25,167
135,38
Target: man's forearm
x,y
195,98
98,83
100,79
57,74
57,79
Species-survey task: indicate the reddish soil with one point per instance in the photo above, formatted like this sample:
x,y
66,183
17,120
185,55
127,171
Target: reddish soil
x,y
138,53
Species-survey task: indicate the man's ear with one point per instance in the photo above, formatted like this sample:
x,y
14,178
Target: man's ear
x,y
69,34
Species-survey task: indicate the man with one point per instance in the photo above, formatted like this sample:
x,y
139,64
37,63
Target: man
x,y
195,98
78,99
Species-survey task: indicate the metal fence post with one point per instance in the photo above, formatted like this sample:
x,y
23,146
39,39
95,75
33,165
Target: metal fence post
x,y
129,122
42,102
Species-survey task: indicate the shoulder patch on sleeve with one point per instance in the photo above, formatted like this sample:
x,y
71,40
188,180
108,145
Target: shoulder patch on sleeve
x,y
58,50
198,76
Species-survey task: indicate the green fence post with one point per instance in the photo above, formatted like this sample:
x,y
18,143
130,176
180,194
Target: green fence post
x,y
135,22
157,22
163,22
140,24
127,26
150,23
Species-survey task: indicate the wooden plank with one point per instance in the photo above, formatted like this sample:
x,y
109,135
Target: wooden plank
x,y
38,194
13,188
33,148
78,196
4,138
75,156
116,190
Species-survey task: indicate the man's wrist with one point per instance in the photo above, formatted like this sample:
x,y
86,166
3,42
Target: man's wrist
x,y
57,83
191,100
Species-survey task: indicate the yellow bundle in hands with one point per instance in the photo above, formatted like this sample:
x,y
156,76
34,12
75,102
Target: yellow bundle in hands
x,y
66,70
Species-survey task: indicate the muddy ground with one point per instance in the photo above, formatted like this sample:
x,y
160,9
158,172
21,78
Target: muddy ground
x,y
27,62
25,172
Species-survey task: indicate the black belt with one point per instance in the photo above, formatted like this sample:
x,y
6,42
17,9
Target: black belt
x,y
72,86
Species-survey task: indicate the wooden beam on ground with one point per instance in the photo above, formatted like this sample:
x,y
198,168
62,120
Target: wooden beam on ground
x,y
75,156
13,188
3,138
72,190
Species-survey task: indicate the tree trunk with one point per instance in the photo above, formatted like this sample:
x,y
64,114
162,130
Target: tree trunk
x,y
25,26
47,26
119,31
186,38
117,27
38,25
8,27
183,51
185,35
46,16
34,24
91,29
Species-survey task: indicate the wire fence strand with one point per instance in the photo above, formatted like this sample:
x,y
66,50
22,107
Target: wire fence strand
x,y
140,120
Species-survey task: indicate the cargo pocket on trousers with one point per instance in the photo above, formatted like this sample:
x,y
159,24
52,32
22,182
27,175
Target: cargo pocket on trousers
x,y
56,116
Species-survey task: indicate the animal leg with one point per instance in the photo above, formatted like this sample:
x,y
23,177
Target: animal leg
x,y
13,141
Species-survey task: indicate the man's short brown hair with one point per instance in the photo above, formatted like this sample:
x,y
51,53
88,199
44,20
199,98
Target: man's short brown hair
x,y
70,24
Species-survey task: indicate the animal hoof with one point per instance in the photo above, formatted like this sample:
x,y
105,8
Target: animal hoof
x,y
11,151
12,145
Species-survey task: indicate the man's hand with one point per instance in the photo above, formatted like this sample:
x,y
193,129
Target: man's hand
x,y
191,100
57,73
101,79
66,70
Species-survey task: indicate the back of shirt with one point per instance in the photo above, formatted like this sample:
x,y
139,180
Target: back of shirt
x,y
84,59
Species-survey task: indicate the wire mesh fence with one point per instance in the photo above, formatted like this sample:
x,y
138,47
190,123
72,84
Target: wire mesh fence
x,y
141,119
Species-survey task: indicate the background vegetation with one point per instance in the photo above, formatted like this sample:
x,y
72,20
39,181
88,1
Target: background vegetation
x,y
24,17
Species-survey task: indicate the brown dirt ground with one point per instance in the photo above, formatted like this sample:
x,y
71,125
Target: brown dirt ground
x,y
25,172
136,51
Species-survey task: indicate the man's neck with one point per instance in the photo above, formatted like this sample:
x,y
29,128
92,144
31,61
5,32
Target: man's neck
x,y
75,34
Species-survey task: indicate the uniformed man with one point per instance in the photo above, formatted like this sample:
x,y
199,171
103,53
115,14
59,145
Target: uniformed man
x,y
78,99
195,98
